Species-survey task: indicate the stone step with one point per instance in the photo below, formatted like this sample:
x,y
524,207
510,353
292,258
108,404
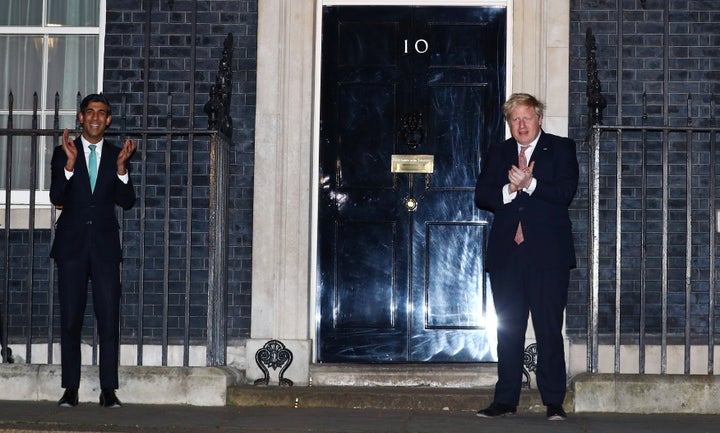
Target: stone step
x,y
456,387
378,397
478,375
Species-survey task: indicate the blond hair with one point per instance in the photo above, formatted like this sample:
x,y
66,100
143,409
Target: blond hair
x,y
522,99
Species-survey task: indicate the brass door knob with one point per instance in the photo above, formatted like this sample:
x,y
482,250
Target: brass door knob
x,y
411,204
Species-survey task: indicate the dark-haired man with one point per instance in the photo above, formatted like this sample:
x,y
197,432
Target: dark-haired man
x,y
89,178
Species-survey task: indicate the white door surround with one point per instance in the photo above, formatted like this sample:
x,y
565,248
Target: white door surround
x,y
283,280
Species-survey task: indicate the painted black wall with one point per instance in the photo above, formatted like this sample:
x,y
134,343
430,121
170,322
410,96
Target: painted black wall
x,y
158,34
170,72
693,61
630,63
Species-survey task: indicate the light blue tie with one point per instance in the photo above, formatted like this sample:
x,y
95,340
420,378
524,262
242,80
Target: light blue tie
x,y
92,167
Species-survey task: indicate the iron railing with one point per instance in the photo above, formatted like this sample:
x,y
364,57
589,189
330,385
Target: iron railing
x,y
165,168
652,233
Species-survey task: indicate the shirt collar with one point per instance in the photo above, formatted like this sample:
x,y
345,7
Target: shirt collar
x,y
86,144
532,143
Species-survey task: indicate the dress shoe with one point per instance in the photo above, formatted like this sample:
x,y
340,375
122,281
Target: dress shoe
x,y
555,412
109,399
69,398
497,409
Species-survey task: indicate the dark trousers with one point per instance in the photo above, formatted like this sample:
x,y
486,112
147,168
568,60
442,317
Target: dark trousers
x,y
518,290
73,275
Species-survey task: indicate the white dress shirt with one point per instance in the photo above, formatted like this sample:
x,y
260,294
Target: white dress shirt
x,y
507,195
98,152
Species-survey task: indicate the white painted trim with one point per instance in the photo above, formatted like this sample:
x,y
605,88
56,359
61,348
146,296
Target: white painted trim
x,y
284,230
314,302
415,3
101,45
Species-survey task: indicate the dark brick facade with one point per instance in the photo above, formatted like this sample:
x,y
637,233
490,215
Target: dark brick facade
x,y
156,36
692,61
169,49
668,74
170,71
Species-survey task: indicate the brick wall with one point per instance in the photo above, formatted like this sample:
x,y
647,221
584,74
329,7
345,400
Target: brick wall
x,y
163,174
689,66
693,61
170,71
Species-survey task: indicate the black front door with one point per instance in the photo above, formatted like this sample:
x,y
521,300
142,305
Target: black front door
x,y
400,246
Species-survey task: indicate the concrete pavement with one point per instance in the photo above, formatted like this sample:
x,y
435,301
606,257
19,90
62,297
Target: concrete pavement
x,y
44,416
375,388
595,403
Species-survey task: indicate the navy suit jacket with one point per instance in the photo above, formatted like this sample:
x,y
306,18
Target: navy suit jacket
x,y
544,214
88,218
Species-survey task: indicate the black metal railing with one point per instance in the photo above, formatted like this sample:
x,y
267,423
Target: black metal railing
x,y
174,239
652,233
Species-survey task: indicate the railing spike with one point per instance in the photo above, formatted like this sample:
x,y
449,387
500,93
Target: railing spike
x,y
596,101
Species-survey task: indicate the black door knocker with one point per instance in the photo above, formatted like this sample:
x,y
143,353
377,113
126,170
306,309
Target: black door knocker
x,y
412,129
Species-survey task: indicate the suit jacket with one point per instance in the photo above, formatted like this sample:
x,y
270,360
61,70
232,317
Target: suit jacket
x,y
544,214
88,218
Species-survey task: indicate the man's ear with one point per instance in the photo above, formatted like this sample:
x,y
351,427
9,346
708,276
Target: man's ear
x,y
108,120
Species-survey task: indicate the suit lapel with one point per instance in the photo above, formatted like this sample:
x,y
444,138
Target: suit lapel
x,y
105,168
81,168
542,148
106,163
512,152
543,156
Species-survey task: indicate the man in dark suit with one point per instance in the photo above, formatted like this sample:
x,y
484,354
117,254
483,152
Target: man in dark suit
x,y
528,182
89,178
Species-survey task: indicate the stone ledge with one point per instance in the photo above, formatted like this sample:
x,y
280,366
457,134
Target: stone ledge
x,y
199,386
476,375
647,393
378,397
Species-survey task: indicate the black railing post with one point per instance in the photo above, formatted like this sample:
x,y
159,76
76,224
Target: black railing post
x,y
53,217
218,107
712,275
218,110
6,351
596,103
8,201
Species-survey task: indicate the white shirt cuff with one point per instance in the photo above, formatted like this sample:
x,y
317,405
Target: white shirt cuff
x,y
531,189
507,195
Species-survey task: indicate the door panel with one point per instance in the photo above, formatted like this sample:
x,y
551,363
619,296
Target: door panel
x,y
455,144
362,258
395,283
367,262
366,132
459,309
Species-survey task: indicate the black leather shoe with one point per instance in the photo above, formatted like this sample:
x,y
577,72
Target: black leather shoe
x,y
109,399
497,409
555,412
69,398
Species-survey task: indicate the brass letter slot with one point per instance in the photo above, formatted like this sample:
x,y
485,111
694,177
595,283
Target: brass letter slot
x,y
412,164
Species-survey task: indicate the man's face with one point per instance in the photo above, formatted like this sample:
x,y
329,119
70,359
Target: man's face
x,y
524,124
95,119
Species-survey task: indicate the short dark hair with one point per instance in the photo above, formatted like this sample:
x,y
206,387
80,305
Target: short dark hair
x,y
95,97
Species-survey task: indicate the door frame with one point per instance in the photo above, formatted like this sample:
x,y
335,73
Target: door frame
x,y
282,299
315,180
